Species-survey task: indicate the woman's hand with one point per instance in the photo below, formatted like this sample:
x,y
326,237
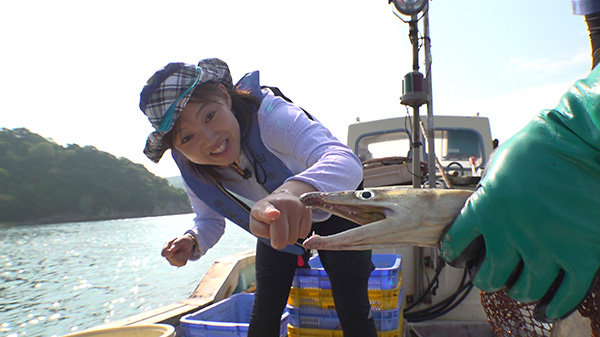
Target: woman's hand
x,y
281,216
178,250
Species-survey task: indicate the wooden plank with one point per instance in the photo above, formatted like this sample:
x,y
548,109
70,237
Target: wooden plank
x,y
222,278
152,316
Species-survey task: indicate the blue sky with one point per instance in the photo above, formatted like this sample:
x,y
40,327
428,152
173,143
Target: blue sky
x,y
72,70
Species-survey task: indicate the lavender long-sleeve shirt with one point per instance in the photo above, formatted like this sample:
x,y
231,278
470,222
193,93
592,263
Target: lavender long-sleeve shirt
x,y
585,7
306,147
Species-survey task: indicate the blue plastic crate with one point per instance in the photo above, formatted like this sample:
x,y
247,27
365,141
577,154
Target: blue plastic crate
x,y
308,318
229,317
387,273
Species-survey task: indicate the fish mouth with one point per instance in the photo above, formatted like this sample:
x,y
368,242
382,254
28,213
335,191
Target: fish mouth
x,y
361,214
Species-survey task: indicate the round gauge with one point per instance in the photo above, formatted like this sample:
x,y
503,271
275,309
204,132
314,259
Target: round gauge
x,y
409,7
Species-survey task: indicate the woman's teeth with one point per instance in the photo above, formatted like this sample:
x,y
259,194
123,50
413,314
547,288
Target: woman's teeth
x,y
221,148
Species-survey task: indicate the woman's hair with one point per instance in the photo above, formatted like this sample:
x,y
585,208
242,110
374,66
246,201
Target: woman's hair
x,y
243,104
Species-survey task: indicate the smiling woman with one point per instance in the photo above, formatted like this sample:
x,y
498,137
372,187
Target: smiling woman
x,y
241,142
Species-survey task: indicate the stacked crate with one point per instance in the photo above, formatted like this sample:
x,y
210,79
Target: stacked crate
x,y
312,310
227,318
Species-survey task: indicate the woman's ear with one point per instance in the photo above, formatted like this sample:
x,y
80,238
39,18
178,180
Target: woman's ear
x,y
226,95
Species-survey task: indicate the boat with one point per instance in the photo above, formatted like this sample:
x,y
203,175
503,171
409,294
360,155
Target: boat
x,y
438,300
389,158
421,267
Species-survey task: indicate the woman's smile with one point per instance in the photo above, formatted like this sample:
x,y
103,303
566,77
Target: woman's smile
x,y
220,149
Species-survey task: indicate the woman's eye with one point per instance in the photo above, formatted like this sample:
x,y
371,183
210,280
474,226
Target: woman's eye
x,y
186,139
210,116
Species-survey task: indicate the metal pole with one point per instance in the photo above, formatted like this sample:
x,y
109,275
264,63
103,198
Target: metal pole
x,y
416,141
418,256
416,158
430,125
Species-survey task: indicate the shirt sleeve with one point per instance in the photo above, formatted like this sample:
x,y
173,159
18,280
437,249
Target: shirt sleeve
x,y
585,7
209,226
308,148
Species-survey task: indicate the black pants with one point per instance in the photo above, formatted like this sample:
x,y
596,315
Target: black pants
x,y
348,272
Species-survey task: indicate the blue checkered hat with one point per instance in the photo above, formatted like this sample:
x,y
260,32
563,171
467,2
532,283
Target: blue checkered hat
x,y
167,92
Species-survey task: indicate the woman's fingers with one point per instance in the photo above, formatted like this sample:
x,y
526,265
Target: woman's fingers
x,y
177,251
280,233
261,219
166,250
284,221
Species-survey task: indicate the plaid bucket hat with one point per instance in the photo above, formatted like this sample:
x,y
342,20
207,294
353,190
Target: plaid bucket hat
x,y
168,91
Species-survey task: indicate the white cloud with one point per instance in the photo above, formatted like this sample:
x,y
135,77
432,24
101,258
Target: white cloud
x,y
550,64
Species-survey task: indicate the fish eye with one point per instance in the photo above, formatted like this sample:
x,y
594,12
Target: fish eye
x,y
365,195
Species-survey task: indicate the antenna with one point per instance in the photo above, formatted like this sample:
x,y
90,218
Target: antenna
x,y
414,94
414,88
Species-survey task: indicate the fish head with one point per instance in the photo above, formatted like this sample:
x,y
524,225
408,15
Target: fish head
x,y
362,206
389,216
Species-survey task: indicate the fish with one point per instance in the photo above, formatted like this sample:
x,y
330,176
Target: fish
x,y
389,216
573,326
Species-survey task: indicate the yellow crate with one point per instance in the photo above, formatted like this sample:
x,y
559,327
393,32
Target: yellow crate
x,y
323,298
401,322
300,332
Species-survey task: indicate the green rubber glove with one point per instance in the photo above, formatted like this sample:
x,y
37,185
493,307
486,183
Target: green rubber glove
x,y
533,226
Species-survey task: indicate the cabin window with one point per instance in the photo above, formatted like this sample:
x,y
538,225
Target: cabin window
x,y
451,145
383,145
458,145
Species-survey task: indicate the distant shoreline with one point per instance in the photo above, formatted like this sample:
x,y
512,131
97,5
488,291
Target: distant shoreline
x,y
74,219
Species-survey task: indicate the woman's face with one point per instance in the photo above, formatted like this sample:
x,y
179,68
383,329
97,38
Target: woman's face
x,y
209,133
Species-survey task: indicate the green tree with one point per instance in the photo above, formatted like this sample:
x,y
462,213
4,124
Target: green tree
x,y
41,181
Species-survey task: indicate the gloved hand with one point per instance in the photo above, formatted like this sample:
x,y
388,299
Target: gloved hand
x,y
533,226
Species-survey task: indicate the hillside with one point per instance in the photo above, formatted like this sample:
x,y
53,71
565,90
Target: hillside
x,y
176,181
43,182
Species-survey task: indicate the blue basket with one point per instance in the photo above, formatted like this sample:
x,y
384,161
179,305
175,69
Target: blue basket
x,y
388,269
307,318
229,317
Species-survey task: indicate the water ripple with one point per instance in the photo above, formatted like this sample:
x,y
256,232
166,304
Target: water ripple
x,y
60,278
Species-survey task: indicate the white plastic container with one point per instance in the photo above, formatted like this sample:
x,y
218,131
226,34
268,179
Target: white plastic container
x,y
149,330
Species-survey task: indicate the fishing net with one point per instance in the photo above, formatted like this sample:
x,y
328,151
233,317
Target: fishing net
x,y
590,308
508,317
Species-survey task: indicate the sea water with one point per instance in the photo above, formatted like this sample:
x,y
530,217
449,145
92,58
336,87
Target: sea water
x,y
60,278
